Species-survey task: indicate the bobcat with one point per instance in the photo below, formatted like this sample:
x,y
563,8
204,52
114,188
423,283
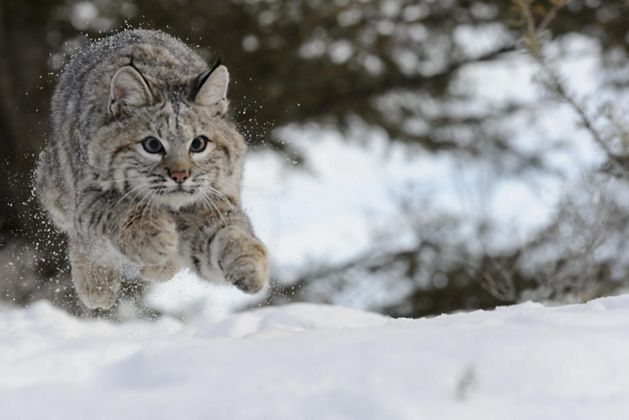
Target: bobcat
x,y
143,169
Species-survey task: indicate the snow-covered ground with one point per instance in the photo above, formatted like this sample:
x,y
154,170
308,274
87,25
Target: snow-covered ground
x,y
320,362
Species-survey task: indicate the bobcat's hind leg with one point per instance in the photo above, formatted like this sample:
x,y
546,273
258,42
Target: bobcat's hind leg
x,y
96,284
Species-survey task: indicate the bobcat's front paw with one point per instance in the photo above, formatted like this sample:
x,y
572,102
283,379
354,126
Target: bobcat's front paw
x,y
249,274
161,273
147,240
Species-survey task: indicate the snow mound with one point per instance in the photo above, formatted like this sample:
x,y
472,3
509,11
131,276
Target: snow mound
x,y
290,319
307,361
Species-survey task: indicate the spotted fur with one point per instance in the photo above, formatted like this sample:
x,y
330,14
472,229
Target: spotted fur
x,y
121,206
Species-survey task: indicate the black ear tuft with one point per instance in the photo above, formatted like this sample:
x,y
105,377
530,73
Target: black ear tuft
x,y
200,79
211,89
219,61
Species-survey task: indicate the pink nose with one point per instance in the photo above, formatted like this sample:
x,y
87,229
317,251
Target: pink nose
x,y
179,176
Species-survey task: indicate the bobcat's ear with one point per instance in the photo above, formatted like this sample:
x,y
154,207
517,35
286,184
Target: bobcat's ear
x,y
211,88
128,88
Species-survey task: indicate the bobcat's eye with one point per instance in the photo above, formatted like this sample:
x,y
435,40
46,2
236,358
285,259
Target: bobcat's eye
x,y
152,145
198,144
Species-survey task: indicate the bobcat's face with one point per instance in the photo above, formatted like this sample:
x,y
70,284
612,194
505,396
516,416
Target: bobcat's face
x,y
182,155
171,153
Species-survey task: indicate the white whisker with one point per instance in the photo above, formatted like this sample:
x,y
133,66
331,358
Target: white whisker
x,y
214,207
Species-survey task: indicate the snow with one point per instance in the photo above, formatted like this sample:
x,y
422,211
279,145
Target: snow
x,y
306,361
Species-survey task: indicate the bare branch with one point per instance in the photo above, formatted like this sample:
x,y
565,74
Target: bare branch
x,y
533,44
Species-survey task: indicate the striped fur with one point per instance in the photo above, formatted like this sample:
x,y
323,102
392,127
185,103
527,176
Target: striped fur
x,y
118,204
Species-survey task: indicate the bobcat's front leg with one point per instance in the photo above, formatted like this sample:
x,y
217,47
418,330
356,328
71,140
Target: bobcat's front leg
x,y
242,258
145,236
210,242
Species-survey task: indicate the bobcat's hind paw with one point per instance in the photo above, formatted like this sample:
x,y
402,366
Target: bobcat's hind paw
x,y
97,285
98,296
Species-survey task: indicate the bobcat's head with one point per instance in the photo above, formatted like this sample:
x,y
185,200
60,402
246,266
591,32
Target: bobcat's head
x,y
168,143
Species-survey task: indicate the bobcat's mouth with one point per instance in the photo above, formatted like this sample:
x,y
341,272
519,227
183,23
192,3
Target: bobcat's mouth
x,y
179,197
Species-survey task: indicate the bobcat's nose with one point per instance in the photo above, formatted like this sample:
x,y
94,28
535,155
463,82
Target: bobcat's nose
x,y
179,176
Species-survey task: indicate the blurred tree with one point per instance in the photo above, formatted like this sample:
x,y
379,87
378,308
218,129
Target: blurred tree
x,y
578,256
